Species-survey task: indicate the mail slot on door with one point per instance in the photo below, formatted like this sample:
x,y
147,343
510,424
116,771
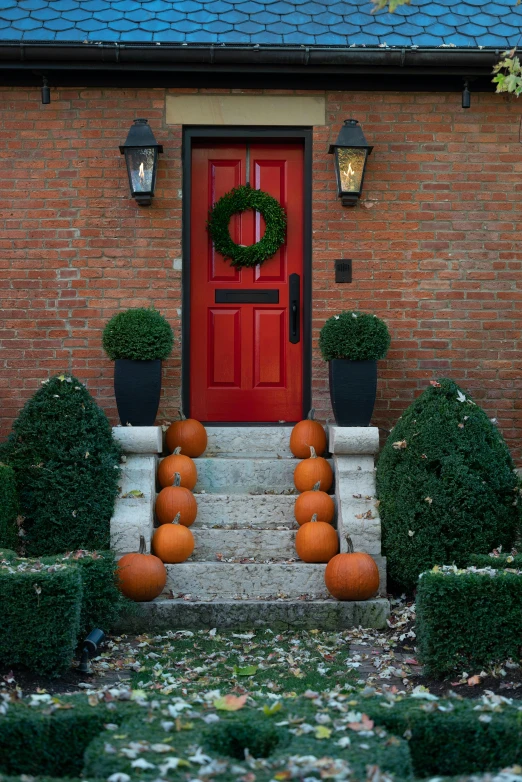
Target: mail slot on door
x,y
233,296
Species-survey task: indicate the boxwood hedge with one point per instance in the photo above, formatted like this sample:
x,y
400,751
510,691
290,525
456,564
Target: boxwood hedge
x,y
8,508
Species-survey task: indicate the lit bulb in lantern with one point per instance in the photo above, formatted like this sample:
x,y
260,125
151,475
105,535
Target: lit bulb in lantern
x,y
141,173
351,176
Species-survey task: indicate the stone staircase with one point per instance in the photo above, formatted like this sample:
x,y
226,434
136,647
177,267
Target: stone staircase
x,y
244,570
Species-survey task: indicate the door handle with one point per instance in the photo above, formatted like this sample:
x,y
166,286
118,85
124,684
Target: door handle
x,y
294,306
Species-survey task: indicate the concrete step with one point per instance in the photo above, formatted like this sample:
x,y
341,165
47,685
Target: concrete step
x,y
162,615
221,475
133,516
249,441
208,580
263,511
238,544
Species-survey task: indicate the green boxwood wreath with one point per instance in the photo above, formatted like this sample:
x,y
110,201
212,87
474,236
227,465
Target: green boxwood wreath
x,y
237,200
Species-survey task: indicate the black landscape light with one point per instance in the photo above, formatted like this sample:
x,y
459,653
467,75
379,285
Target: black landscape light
x,y
350,154
466,96
90,649
141,156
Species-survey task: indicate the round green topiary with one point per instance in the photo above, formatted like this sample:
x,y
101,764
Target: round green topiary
x,y
239,199
139,334
446,485
357,336
66,464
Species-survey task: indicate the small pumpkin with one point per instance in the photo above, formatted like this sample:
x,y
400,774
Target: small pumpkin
x,y
189,435
314,501
311,471
352,576
174,463
307,433
174,500
141,576
173,543
316,541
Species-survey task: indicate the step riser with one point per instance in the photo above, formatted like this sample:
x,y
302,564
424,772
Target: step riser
x,y
249,441
165,615
258,544
262,511
246,476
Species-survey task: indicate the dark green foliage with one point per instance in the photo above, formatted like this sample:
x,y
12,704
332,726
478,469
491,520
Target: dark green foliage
x,y
453,741
499,562
53,743
468,620
139,334
8,508
357,336
102,600
446,485
231,738
67,469
39,616
239,199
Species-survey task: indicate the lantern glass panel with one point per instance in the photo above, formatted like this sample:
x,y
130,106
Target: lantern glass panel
x,y
141,167
350,162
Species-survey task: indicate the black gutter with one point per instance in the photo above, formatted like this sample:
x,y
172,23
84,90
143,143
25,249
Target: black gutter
x,y
58,55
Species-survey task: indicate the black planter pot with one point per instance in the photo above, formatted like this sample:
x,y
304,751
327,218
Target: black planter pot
x,y
353,387
137,388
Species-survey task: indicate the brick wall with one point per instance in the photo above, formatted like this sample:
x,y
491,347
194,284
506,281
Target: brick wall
x,y
434,242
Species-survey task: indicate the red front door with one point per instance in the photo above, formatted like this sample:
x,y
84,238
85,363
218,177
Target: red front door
x,y
246,325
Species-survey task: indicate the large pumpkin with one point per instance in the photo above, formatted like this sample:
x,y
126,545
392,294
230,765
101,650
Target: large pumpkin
x,y
352,576
314,502
173,543
173,500
311,471
305,434
316,541
174,463
189,435
141,576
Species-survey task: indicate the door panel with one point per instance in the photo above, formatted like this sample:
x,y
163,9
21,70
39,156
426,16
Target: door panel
x,y
243,366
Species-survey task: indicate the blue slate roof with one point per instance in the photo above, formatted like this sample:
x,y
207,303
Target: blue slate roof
x,y
424,23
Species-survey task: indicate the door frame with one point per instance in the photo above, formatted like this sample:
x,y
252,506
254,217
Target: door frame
x,y
193,133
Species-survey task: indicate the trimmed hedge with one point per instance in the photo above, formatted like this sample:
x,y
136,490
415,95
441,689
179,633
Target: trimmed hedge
x,y
8,508
468,619
139,334
500,562
446,485
357,336
39,616
67,469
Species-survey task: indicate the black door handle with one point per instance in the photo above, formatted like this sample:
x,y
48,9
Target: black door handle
x,y
294,304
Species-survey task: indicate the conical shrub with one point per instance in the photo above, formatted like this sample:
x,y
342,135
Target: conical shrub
x,y
446,485
66,464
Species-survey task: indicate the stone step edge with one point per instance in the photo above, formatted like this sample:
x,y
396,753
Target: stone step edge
x,y
165,614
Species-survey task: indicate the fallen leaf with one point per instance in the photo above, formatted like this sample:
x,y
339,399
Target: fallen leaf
x,y
473,680
248,670
399,445
230,703
322,732
268,711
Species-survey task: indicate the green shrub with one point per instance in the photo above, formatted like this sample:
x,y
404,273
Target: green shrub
x,y
67,469
39,616
446,485
139,334
8,508
354,335
500,562
468,619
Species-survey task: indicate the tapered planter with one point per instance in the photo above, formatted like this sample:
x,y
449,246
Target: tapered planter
x,y
353,388
137,388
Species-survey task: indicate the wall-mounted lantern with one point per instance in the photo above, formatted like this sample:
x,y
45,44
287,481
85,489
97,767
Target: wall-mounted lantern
x,y
350,154
141,156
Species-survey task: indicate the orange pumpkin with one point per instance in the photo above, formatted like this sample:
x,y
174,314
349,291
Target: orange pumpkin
x,y
141,576
314,502
316,541
174,500
307,433
311,471
352,576
189,435
173,543
174,463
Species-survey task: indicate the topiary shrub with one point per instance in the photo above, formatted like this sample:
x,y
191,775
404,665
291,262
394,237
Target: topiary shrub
x,y
67,469
357,336
8,508
446,485
138,334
